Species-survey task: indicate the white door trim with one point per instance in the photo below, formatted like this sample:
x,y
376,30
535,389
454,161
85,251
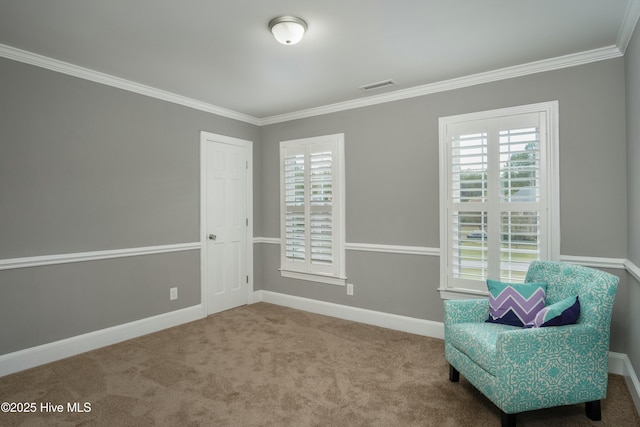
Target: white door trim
x,y
204,137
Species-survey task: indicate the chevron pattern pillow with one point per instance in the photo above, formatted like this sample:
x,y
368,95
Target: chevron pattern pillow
x,y
515,304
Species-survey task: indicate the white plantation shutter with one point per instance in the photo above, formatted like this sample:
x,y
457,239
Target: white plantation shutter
x,y
498,211
294,185
521,204
321,214
469,161
313,209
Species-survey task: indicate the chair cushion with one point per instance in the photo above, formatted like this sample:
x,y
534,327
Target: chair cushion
x,y
515,304
478,341
565,312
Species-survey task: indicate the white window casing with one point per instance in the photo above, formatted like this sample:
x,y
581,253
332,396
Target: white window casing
x,y
499,195
312,209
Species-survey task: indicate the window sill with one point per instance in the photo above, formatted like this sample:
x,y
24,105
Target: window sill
x,y
321,278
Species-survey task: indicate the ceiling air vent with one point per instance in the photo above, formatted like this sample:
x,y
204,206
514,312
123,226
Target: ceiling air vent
x,y
378,85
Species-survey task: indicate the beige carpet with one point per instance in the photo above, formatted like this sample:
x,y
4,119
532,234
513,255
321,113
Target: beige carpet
x,y
265,365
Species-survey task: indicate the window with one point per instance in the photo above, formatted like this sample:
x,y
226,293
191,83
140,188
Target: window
x,y
499,206
312,209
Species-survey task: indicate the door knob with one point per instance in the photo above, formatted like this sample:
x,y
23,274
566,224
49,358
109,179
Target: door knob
x,y
212,237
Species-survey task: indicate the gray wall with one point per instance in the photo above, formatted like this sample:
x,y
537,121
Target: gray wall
x,y
632,59
392,186
86,167
50,303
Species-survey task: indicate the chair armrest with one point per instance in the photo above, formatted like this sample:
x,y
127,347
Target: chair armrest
x,y
547,351
547,339
466,311
543,367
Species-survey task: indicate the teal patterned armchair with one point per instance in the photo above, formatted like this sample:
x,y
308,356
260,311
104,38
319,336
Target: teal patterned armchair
x,y
522,369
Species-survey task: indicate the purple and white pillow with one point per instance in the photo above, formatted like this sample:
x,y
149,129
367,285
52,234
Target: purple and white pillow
x,y
515,304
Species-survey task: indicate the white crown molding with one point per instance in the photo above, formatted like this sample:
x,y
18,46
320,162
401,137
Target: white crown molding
x,y
36,261
446,85
629,22
31,58
551,64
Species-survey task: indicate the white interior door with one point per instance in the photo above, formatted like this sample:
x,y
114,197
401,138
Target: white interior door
x,y
225,222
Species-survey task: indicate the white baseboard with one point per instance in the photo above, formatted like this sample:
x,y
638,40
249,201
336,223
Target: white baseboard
x,y
46,353
10,363
392,321
632,383
619,363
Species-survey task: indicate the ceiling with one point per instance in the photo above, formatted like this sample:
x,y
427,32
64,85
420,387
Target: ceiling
x,y
222,54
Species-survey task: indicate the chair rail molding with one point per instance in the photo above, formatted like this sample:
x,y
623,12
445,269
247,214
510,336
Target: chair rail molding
x,y
633,269
36,261
587,261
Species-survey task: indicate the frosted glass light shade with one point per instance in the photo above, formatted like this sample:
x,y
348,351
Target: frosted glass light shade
x,y
288,30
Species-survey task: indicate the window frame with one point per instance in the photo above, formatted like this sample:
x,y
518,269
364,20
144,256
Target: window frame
x,y
451,288
333,274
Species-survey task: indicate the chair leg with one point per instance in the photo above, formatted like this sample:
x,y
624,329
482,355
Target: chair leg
x,y
454,375
508,420
592,410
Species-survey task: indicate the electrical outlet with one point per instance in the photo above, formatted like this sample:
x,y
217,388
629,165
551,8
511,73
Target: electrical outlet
x,y
173,293
349,288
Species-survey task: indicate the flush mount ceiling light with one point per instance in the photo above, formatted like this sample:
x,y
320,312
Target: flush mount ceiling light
x,y
288,29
